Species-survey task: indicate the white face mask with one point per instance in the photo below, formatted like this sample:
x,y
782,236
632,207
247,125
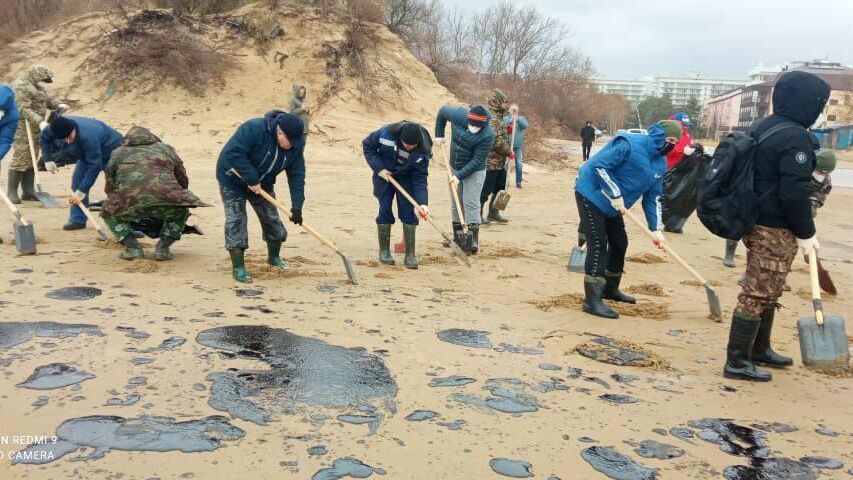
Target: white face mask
x,y
473,129
820,177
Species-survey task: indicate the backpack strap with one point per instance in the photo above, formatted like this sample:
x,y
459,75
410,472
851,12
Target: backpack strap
x,y
776,129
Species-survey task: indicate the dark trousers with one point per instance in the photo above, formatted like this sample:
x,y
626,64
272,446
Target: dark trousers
x,y
606,239
237,223
495,182
587,148
405,210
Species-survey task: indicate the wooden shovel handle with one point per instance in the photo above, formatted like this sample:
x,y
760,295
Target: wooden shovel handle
x,y
98,227
15,211
668,249
815,282
33,153
455,193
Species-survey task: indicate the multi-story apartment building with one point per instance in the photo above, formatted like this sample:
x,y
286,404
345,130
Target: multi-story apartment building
x,y
679,88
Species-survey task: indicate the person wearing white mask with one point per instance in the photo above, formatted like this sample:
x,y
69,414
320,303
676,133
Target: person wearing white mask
x,y
471,141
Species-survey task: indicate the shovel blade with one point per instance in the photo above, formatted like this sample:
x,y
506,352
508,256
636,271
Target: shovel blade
x,y
501,200
348,267
25,238
47,200
577,260
824,346
714,304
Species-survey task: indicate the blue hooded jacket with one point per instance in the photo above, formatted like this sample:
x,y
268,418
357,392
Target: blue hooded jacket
x,y
468,151
383,150
92,149
629,166
9,122
254,152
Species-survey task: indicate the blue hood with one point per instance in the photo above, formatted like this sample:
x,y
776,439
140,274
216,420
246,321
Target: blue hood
x,y
270,120
658,137
7,99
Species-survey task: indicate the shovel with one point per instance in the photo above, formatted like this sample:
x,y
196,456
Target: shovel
x,y
102,232
502,198
25,235
460,255
823,340
467,237
577,260
347,264
45,198
713,299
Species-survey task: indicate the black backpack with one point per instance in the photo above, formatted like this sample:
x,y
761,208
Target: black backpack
x,y
726,201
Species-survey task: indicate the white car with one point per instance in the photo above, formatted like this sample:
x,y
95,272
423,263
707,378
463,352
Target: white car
x,y
641,131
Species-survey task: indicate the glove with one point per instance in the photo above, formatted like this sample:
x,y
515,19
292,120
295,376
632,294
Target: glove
x,y
808,244
62,107
618,204
699,148
438,140
509,129
454,181
423,211
43,125
688,151
384,174
51,167
76,197
511,155
296,216
658,239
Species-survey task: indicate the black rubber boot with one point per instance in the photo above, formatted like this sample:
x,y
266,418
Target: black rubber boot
x,y
457,231
12,186
28,186
594,289
384,232
611,289
739,365
762,352
483,220
731,247
274,256
410,260
475,238
132,249
238,266
161,251
71,226
495,214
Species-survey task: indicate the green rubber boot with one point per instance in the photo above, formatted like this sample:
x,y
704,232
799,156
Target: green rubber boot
x,y
273,256
132,249
161,251
12,186
410,260
385,256
238,266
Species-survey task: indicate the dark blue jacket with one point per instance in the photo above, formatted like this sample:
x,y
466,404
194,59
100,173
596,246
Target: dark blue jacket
x,y
629,166
254,152
382,149
468,151
92,149
9,122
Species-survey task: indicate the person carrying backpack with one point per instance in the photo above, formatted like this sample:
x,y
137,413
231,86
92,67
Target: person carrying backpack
x,y
782,162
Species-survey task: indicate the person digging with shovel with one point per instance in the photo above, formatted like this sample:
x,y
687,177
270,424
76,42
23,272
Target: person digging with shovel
x,y
471,141
146,179
401,150
497,166
629,167
259,151
784,165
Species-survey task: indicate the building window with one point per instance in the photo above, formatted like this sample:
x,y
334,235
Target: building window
x,y
830,118
833,101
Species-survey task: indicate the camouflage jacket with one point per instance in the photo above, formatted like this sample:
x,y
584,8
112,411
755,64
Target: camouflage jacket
x,y
145,172
820,190
295,106
32,99
501,147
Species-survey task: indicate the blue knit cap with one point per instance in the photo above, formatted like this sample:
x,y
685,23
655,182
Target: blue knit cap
x,y
291,125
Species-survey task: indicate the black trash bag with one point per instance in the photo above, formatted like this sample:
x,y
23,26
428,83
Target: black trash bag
x,y
679,190
151,227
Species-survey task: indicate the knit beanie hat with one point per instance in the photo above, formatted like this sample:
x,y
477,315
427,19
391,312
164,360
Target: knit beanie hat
x,y
411,133
825,161
291,125
671,128
478,116
61,127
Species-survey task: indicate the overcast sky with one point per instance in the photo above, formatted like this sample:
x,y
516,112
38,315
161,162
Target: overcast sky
x,y
634,38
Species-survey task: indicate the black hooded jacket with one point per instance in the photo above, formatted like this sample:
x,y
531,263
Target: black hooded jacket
x,y
785,161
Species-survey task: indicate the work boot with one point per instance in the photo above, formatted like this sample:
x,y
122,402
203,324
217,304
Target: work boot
x,y
495,214
484,220
385,244
762,353
731,247
474,229
132,249
274,256
410,260
238,266
12,186
593,288
611,288
71,226
28,185
161,251
739,364
457,231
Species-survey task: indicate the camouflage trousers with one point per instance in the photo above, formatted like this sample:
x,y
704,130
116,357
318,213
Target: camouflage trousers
x,y
770,252
174,220
21,160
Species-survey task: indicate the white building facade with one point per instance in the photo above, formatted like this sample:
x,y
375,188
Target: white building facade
x,y
679,88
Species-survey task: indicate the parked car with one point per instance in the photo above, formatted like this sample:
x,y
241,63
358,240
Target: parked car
x,y
641,131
